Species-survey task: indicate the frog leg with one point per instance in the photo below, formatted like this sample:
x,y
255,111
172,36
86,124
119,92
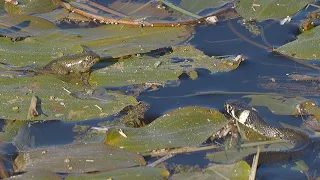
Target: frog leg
x,y
85,78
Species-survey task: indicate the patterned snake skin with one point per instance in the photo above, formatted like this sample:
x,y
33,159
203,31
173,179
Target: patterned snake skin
x,y
249,117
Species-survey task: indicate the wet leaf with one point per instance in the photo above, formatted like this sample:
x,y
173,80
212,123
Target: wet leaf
x,y
32,112
32,51
139,9
239,170
59,15
262,9
31,7
198,6
23,26
277,104
118,41
78,158
294,84
301,166
122,41
55,100
185,127
234,155
139,173
37,175
11,129
305,47
138,70
1,6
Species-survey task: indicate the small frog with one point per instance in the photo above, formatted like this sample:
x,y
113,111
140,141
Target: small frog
x,y
68,68
72,64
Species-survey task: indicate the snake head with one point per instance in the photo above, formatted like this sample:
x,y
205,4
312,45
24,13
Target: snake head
x,y
239,110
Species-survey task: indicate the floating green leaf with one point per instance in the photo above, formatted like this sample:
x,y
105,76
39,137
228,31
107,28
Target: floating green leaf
x,y
78,158
61,14
108,41
37,175
31,7
185,127
22,25
262,9
122,41
34,51
305,47
138,173
239,170
197,6
138,70
11,129
55,101
277,104
234,155
1,6
301,166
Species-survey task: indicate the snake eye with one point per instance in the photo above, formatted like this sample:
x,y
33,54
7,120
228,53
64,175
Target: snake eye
x,y
89,58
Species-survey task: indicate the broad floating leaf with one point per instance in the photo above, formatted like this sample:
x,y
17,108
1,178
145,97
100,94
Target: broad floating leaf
x,y
11,129
1,6
270,9
22,25
239,170
108,41
197,6
37,175
234,155
59,15
305,47
185,127
31,7
78,158
55,100
301,166
137,70
138,173
34,51
293,85
277,104
121,41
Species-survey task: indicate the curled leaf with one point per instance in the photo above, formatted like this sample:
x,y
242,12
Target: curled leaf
x,y
32,112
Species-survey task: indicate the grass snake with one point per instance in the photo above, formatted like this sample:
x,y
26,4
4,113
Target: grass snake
x,y
248,116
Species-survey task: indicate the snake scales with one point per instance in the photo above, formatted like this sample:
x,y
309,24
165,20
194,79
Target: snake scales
x,y
249,117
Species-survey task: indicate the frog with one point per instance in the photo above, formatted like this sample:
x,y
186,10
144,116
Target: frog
x,y
68,68
72,64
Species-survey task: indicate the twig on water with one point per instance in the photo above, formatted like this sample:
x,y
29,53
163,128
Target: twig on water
x,y
140,24
172,6
254,165
164,158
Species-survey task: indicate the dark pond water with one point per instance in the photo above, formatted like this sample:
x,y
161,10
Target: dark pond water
x,y
215,40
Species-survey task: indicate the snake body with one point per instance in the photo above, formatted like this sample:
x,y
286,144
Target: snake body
x,y
249,117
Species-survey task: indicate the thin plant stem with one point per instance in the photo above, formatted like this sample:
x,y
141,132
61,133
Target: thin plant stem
x,y
172,6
